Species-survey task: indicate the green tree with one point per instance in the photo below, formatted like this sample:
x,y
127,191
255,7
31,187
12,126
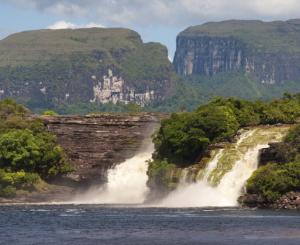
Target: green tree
x,y
273,180
22,150
49,113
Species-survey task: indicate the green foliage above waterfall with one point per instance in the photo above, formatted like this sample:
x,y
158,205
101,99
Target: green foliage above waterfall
x,y
185,136
282,173
28,153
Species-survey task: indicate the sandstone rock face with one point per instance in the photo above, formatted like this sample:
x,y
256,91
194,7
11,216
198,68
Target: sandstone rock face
x,y
96,143
208,56
114,89
255,48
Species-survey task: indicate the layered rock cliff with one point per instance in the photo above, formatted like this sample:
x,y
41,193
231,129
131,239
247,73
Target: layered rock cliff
x,y
96,143
268,51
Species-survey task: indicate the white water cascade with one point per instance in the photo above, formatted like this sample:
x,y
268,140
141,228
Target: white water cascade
x,y
204,193
127,182
218,185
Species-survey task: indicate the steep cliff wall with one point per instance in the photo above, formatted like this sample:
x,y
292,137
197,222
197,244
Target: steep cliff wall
x,y
96,143
269,51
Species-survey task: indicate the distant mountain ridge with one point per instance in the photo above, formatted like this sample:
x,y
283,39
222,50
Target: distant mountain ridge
x,y
48,68
106,69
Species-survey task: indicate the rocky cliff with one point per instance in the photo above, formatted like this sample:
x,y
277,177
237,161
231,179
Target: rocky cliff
x,y
53,68
267,51
97,143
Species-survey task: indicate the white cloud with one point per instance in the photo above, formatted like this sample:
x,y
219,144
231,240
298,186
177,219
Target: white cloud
x,y
69,25
66,9
164,12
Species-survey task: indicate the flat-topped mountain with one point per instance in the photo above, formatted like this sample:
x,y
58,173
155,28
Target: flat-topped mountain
x,y
265,52
49,68
30,47
268,36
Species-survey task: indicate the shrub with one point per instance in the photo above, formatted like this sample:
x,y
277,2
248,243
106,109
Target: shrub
x,y
22,150
8,192
11,181
10,107
218,122
273,180
159,173
245,111
49,113
185,136
27,150
179,140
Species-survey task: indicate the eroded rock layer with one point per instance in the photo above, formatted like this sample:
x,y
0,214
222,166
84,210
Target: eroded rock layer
x,y
96,143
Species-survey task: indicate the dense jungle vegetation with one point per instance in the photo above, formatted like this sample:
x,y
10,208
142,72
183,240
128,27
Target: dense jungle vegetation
x,y
28,153
185,137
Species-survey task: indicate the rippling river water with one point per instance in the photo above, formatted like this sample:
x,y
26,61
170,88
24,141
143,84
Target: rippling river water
x,y
98,224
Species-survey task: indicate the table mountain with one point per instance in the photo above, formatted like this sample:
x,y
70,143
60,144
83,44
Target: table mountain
x,y
264,52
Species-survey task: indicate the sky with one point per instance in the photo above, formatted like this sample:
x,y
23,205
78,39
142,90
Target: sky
x,y
154,20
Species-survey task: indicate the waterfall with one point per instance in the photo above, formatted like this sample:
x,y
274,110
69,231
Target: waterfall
x,y
126,182
220,183
226,173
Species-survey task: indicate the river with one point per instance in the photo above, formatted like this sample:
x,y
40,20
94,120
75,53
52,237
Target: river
x,y
129,225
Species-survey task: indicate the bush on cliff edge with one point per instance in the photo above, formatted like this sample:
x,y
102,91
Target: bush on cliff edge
x,y
28,152
184,137
274,180
281,176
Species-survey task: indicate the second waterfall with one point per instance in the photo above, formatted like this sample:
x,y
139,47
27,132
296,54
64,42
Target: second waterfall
x,y
221,182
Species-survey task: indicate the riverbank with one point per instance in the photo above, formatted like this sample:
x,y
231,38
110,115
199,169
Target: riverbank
x,y
290,201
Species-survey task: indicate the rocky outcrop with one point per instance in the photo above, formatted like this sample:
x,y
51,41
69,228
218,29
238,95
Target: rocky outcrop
x,y
290,200
241,46
276,153
115,90
280,153
97,143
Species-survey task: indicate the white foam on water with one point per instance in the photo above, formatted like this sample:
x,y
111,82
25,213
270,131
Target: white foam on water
x,y
126,182
203,194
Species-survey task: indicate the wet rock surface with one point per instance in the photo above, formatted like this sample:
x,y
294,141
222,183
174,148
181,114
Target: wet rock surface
x,y
93,145
96,143
272,154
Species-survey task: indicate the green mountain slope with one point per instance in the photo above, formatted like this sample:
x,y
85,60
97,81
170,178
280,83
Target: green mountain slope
x,y
57,68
